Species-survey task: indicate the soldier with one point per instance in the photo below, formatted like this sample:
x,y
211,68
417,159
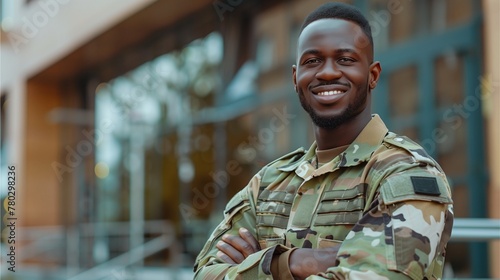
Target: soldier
x,y
360,203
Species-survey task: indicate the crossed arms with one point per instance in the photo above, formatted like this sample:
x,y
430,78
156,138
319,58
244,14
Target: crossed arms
x,y
383,245
234,249
401,235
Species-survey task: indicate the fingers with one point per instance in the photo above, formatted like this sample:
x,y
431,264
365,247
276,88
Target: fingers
x,y
225,258
239,244
250,239
230,252
234,249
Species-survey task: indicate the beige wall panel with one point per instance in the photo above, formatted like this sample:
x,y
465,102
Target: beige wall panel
x,y
492,67
41,190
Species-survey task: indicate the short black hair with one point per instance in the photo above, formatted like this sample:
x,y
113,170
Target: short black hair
x,y
339,11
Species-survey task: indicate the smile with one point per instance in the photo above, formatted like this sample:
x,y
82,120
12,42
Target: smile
x,y
331,92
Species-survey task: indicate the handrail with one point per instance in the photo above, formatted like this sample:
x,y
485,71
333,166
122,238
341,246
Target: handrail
x,y
475,229
87,229
42,239
128,258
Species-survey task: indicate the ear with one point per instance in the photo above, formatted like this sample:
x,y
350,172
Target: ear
x,y
294,77
375,70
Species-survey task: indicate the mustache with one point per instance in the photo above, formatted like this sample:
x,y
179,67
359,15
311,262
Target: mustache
x,y
329,83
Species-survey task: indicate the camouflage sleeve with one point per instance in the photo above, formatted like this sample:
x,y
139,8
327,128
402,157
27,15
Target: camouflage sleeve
x,y
239,212
403,235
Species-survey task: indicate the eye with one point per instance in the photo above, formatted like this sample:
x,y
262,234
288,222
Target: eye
x,y
346,60
312,60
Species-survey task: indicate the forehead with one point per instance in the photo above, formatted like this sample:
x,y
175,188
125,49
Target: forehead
x,y
333,32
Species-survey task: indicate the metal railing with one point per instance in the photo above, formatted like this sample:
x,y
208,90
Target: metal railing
x,y
119,263
56,246
475,229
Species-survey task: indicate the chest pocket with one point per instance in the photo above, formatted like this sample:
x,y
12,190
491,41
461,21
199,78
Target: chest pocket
x,y
341,206
274,208
273,212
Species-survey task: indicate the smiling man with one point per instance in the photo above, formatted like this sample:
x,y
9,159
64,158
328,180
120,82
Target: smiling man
x,y
360,203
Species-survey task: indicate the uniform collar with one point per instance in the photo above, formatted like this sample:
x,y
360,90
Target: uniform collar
x,y
360,150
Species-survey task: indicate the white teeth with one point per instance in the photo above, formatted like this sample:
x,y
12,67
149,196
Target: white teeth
x,y
330,92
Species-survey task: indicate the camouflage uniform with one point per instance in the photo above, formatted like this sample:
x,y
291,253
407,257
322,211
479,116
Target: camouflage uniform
x,y
384,199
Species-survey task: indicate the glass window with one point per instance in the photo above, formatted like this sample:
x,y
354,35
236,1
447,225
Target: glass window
x,y
449,79
392,21
460,11
147,118
403,101
451,132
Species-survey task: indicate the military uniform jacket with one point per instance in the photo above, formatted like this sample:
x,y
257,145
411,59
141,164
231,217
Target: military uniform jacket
x,y
384,199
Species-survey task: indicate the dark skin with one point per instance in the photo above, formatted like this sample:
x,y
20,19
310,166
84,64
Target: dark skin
x,y
235,249
334,77
331,57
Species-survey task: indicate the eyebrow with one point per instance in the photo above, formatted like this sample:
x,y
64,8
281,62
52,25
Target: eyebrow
x,y
346,50
337,51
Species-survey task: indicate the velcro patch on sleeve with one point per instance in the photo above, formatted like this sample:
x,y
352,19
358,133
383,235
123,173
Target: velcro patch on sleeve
x,y
425,185
415,186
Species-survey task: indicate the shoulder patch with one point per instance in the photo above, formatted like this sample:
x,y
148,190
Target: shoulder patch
x,y
415,186
425,185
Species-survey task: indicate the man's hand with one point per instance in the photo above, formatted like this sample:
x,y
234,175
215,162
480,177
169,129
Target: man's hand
x,y
235,249
306,262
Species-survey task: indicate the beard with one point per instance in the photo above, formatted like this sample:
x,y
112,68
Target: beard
x,y
331,122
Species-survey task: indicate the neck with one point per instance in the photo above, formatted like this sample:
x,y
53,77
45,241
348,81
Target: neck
x,y
343,134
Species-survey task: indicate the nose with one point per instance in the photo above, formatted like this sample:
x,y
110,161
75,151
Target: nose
x,y
328,71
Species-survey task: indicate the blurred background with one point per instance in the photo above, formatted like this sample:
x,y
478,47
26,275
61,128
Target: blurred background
x,y
131,123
